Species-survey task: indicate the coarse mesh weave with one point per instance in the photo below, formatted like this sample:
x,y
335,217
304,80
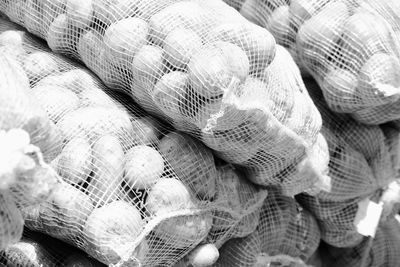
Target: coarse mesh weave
x,y
362,158
237,215
239,210
40,250
197,64
350,47
134,192
287,235
11,221
392,134
382,251
27,139
335,219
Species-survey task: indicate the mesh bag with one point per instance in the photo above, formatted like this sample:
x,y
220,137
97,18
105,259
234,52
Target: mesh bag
x,y
350,47
392,134
238,213
39,250
335,219
197,64
362,158
11,221
381,251
287,235
340,221
133,191
28,252
27,139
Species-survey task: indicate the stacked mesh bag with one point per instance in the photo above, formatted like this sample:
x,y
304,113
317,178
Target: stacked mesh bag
x,y
133,191
350,47
363,162
27,140
287,235
199,65
383,250
38,250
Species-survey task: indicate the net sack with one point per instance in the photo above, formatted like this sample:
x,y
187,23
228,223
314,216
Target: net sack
x,y
11,221
335,219
133,191
28,252
391,131
287,235
36,250
27,137
349,47
239,209
362,158
341,223
381,251
197,64
237,215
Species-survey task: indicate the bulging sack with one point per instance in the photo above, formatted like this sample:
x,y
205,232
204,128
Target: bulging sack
x,y
381,251
362,158
239,211
335,219
197,64
37,249
133,191
350,47
27,141
237,215
286,234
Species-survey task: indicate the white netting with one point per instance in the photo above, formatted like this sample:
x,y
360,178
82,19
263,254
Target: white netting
x,y
350,47
11,221
341,223
197,64
335,219
39,250
237,215
27,138
287,235
383,250
134,192
240,206
362,158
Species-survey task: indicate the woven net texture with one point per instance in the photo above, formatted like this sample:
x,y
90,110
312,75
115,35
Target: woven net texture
x,y
198,65
350,47
38,250
132,190
287,235
27,137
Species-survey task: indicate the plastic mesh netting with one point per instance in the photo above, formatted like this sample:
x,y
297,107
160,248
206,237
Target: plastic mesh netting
x,y
237,215
27,139
39,250
350,47
335,219
133,191
239,212
380,251
362,158
287,235
199,65
339,222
